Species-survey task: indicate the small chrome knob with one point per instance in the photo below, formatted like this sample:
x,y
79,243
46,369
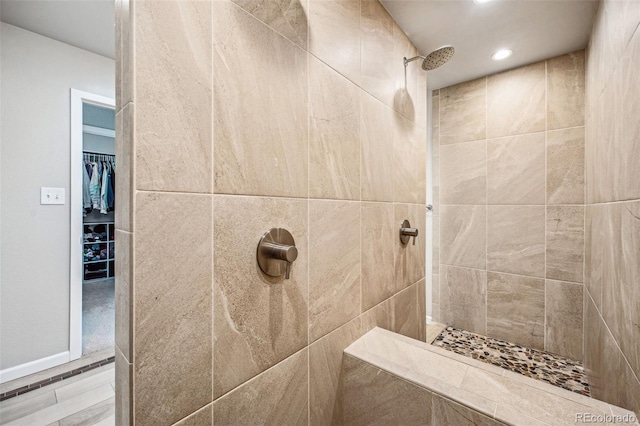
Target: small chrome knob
x,y
406,232
276,252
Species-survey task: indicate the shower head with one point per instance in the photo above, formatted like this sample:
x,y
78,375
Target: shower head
x,y
435,59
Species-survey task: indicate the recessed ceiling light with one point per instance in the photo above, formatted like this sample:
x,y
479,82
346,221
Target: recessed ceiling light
x,y
502,54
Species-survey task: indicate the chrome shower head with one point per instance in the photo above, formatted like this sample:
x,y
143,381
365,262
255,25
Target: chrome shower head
x,y
435,59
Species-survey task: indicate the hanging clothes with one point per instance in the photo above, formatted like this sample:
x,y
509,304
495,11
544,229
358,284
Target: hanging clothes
x,y
104,187
98,190
86,193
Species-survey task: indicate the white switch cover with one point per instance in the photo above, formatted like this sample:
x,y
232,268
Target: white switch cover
x,y
51,195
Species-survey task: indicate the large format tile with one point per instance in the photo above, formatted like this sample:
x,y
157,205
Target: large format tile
x,y
333,23
124,178
173,77
124,389
409,258
463,111
515,239
378,274
405,78
376,26
463,173
516,169
173,276
279,396
406,312
565,91
597,247
409,156
202,417
565,243
374,397
463,298
515,309
565,166
376,151
259,320
516,101
628,173
463,236
325,365
288,17
334,265
334,134
447,412
123,293
260,128
563,324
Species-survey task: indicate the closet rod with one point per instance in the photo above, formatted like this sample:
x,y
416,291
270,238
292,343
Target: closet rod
x,y
97,153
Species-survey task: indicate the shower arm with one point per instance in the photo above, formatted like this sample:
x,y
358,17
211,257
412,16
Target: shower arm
x,y
406,61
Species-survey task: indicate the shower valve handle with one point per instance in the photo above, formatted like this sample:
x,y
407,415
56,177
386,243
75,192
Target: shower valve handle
x,y
406,232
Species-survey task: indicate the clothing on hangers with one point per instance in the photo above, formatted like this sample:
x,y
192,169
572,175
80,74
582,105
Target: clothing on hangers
x,y
98,183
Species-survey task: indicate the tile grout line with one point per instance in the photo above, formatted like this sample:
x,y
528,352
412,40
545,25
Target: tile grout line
x,y
486,207
213,206
546,196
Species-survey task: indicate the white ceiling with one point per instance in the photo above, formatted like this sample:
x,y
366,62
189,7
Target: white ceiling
x,y
533,29
87,24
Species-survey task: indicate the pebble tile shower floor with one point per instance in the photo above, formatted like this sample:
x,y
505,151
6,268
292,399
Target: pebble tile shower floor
x,y
551,368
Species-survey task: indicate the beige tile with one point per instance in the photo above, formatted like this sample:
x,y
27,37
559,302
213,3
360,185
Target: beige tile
x,y
409,258
261,126
172,276
334,265
435,253
565,91
278,396
516,309
373,397
380,315
435,111
377,162
564,308
421,101
128,72
378,273
124,182
447,412
516,101
123,293
406,312
333,23
565,166
173,77
405,78
421,287
596,247
435,141
259,320
435,177
287,17
463,112
565,243
435,288
325,364
463,236
376,32
463,298
118,64
409,167
202,417
124,390
334,134
630,138
516,170
515,240
463,173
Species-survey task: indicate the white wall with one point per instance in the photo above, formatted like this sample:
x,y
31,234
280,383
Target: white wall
x,y
36,76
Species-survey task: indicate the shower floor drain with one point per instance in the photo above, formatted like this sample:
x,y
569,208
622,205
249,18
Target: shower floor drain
x,y
551,368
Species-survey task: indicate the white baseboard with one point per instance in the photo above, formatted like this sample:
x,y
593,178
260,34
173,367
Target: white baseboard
x,y
35,366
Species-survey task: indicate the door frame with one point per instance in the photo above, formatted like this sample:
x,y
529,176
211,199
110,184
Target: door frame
x,y
78,98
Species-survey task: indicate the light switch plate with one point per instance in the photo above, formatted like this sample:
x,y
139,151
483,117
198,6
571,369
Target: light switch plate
x,y
52,195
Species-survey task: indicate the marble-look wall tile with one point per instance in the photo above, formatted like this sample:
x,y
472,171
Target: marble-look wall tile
x,y
376,151
334,134
334,265
627,170
435,176
279,396
565,166
563,323
516,170
325,364
378,274
124,389
435,110
173,277
260,130
124,178
405,78
463,111
376,26
375,397
123,293
597,248
463,298
565,243
435,252
421,101
259,320
333,23
380,315
516,240
446,412
463,173
173,77
287,17
409,258
515,309
202,417
409,156
565,91
463,236
516,101
406,312
421,287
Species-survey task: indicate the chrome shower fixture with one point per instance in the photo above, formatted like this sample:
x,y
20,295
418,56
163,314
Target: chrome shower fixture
x,y
435,59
